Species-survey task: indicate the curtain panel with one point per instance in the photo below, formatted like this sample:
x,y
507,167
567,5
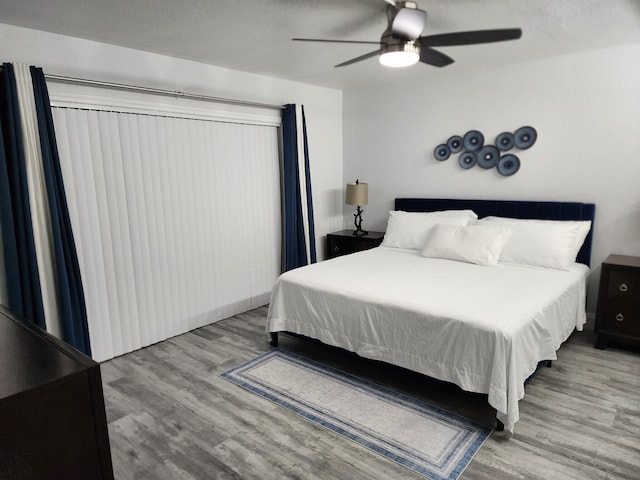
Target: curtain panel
x,y
298,244
70,293
41,266
24,297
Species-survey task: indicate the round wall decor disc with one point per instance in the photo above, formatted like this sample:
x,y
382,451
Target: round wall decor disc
x,y
488,156
467,160
508,165
442,152
473,140
455,143
525,137
505,141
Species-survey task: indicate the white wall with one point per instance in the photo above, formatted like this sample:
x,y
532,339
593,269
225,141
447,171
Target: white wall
x,y
585,107
68,56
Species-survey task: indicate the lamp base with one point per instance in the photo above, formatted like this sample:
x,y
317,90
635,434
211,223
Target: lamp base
x,y
358,223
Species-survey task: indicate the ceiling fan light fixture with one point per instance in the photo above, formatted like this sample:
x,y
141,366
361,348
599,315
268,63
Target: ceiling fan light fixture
x,y
400,55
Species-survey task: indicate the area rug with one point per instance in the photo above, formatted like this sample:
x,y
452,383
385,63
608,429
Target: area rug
x,y
428,440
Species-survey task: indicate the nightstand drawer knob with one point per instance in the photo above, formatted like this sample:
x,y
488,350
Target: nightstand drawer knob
x,y
336,248
623,287
619,317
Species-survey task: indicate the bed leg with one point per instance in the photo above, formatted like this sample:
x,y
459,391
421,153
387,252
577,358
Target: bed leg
x,y
499,426
274,339
548,363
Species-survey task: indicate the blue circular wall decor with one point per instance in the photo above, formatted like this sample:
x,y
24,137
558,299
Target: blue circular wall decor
x,y
473,140
488,156
525,137
455,143
442,152
474,151
504,141
508,165
467,160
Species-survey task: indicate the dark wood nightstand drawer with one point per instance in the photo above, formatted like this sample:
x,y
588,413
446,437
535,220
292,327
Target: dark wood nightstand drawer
x,y
345,242
621,321
618,313
624,286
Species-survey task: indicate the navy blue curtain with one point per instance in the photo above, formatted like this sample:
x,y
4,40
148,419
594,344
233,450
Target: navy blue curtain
x,y
21,264
294,241
73,312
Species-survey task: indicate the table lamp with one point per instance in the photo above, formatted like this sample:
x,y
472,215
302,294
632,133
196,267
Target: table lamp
x,y
357,194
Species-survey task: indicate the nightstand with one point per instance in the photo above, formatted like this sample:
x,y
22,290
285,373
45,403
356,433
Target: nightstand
x,y
344,242
618,312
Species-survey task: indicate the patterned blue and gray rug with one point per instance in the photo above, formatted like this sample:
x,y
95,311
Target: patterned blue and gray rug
x,y
430,441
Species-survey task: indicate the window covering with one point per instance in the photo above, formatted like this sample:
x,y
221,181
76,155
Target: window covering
x,y
177,221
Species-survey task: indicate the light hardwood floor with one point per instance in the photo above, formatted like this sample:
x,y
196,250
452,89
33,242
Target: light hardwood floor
x,y
171,416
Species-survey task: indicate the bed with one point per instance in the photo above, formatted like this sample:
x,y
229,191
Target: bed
x,y
483,327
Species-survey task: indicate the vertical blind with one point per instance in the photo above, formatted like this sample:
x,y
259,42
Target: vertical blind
x,y
177,221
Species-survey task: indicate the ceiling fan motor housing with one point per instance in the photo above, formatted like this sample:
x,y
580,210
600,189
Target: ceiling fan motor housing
x,y
406,21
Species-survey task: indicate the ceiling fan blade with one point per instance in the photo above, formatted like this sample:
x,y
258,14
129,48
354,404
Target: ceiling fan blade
x,y
408,23
471,37
434,57
334,41
359,59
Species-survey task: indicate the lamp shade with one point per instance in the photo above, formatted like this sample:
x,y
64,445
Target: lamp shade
x,y
357,194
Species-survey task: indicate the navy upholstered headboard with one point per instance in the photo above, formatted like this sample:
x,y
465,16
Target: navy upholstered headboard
x,y
513,209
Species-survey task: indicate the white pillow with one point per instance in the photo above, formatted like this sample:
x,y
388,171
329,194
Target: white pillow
x,y
542,243
409,229
480,244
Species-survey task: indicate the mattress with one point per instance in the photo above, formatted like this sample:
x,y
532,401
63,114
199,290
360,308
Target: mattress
x,y
483,328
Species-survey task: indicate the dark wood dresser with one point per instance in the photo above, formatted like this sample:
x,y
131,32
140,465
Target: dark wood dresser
x,y
52,416
618,311
344,242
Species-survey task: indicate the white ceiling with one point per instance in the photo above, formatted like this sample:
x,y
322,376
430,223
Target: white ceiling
x,y
255,35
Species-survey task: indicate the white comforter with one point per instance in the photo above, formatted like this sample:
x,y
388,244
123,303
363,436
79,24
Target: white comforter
x,y
482,328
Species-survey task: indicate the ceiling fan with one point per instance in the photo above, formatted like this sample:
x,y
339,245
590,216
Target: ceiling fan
x,y
402,44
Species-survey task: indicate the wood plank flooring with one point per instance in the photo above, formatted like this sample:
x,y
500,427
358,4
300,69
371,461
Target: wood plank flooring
x,y
171,416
